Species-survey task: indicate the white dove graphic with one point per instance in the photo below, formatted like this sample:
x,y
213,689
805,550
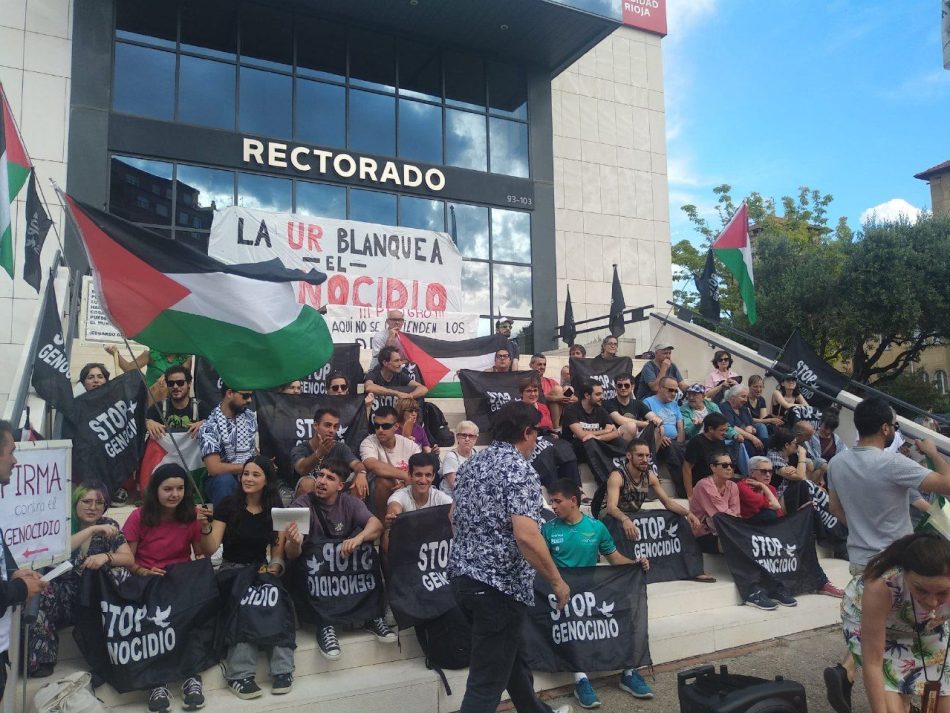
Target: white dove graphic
x,y
673,528
790,550
606,609
161,617
314,565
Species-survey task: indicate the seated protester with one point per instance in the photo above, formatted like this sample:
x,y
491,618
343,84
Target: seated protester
x,y
227,442
577,351
96,542
324,445
672,442
293,388
566,382
179,412
386,454
346,518
587,420
713,495
407,418
242,523
722,377
389,373
502,362
657,369
163,532
565,457
735,408
826,444
628,413
553,393
608,347
789,464
696,408
466,433
92,376
815,468
703,449
786,395
758,407
338,385
503,327
419,495
530,393
576,540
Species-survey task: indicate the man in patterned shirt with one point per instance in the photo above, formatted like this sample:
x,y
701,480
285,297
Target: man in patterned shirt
x,y
496,550
227,442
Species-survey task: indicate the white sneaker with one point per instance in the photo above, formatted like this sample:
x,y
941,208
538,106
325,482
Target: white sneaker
x,y
564,709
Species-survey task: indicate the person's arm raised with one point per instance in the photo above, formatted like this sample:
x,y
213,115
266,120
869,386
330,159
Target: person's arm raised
x,y
937,480
535,550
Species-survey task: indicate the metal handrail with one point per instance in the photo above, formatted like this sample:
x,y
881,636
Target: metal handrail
x,y
632,311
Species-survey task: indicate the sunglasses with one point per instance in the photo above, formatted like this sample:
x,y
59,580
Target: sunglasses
x,y
724,465
506,355
246,395
623,386
338,387
724,359
176,382
384,426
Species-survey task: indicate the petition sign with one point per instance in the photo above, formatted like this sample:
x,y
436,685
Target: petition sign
x,y
35,504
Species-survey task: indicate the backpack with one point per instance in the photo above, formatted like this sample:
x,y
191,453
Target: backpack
x,y
437,428
163,409
446,642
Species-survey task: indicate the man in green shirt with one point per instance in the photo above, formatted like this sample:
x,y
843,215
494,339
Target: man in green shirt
x,y
576,540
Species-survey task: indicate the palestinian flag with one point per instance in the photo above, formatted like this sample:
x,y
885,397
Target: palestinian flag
x,y
161,450
14,170
734,249
439,360
245,319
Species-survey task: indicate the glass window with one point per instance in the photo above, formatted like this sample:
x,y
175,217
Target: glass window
x,y
372,207
267,39
135,199
464,80
372,123
152,22
321,200
264,192
421,213
372,60
209,27
206,93
420,71
321,113
470,229
266,103
509,147
507,91
940,378
144,82
420,131
466,145
321,49
510,235
200,191
511,286
475,287
485,326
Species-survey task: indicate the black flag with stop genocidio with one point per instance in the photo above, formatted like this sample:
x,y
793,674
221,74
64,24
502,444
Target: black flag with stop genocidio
x,y
51,365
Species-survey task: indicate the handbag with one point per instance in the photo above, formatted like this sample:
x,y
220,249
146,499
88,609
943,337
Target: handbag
x,y
70,694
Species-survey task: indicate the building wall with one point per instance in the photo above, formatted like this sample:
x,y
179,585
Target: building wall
x,y
940,194
610,182
35,67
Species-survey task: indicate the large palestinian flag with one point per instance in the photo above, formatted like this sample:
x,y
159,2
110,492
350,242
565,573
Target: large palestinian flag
x,y
734,249
14,170
244,318
439,361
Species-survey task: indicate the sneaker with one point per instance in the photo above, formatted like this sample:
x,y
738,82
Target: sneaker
x,y
839,688
282,683
758,599
192,695
329,645
786,600
120,497
159,700
378,628
563,709
634,684
245,688
830,590
584,693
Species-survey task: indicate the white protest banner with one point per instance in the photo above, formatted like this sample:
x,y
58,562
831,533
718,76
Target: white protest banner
x,y
367,265
96,326
358,324
35,506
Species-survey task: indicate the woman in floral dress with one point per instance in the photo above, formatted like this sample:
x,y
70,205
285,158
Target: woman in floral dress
x,y
895,623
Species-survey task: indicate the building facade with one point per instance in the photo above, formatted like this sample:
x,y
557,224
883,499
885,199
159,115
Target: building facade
x,y
531,131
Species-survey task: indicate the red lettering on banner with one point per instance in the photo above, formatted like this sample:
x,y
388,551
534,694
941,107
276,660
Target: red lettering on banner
x,y
437,299
397,294
357,283
314,233
308,294
337,290
295,243
649,15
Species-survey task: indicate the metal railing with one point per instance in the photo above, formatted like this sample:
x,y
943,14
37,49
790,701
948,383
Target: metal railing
x,y
636,314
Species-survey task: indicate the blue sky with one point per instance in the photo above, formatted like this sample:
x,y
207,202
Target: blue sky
x,y
848,96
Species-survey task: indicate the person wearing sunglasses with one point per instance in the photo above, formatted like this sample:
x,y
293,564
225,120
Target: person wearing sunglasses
x,y
385,454
228,442
466,433
338,385
180,412
722,377
715,494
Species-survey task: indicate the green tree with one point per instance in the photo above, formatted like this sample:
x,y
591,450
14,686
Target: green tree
x,y
916,390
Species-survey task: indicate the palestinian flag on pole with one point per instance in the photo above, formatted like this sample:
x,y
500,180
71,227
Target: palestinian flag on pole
x,y
159,451
734,249
14,170
439,360
245,319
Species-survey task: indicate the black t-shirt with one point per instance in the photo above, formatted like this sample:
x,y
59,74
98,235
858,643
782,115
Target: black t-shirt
x,y
699,453
597,420
247,535
178,419
400,378
635,409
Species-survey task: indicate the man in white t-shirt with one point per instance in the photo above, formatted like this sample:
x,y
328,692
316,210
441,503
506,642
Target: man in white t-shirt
x,y
385,454
419,495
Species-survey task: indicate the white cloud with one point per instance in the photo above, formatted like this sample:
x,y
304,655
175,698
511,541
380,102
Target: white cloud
x,y
891,210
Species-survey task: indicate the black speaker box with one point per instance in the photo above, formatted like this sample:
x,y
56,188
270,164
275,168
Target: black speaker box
x,y
702,690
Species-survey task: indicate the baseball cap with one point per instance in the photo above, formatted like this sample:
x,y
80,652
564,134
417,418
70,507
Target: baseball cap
x,y
660,346
789,377
695,389
503,321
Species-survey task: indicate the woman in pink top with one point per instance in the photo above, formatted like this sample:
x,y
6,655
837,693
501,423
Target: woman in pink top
x,y
722,377
712,495
530,393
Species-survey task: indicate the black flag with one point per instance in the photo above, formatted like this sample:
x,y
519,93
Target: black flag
x,y
707,284
330,588
484,392
602,371
207,383
109,430
666,539
603,627
255,609
812,372
617,306
37,226
568,328
345,359
51,366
